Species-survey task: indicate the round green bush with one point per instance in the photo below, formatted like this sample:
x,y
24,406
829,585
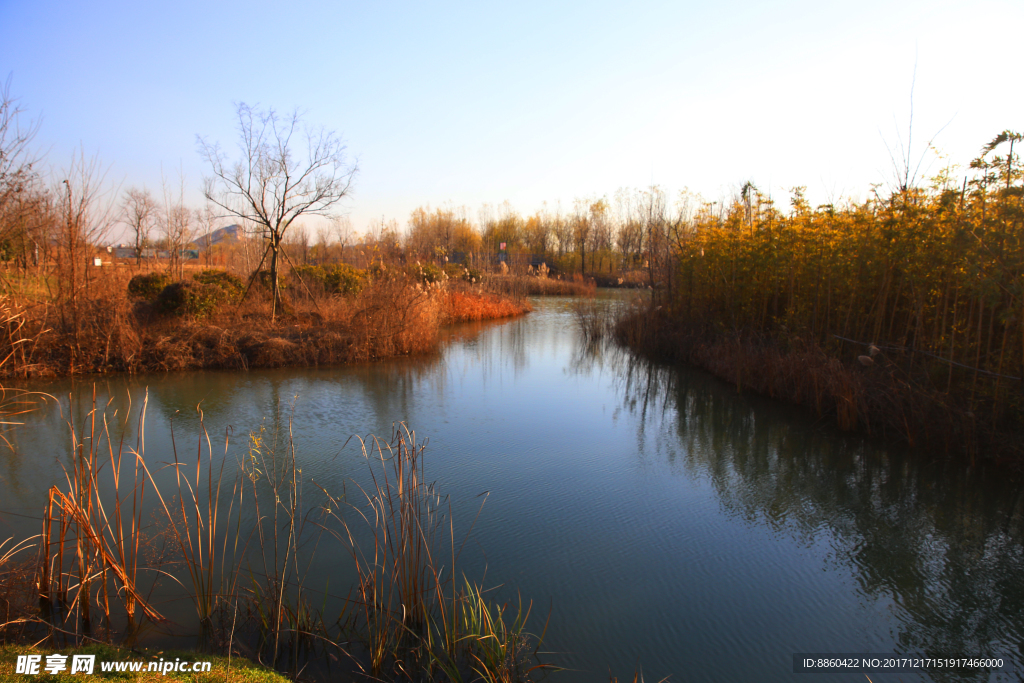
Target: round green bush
x,y
190,298
342,278
454,271
231,285
378,271
457,271
472,275
338,278
313,276
147,286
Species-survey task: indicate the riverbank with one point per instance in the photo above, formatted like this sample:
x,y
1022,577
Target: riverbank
x,y
871,392
122,323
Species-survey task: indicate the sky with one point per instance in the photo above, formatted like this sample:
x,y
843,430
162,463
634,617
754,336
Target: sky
x,y
467,103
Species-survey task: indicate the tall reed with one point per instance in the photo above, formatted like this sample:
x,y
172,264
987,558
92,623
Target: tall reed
x,y
593,319
194,521
89,557
930,278
410,610
407,615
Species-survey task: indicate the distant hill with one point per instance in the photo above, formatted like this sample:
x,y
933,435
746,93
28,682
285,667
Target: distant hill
x,y
225,235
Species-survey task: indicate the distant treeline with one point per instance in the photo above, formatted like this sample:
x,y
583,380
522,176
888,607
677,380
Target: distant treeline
x,y
597,236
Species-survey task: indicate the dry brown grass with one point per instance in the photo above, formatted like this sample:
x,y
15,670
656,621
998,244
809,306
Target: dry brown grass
x,y
470,306
528,285
593,320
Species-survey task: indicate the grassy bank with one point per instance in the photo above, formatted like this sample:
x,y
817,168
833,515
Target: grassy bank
x,y
126,321
238,546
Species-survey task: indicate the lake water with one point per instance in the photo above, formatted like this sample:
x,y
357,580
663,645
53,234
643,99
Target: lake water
x,y
667,523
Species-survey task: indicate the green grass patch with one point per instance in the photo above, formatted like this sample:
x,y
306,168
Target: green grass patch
x,y
240,670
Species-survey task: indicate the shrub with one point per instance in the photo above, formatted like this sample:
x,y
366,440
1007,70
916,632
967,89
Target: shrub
x,y
190,298
345,279
148,286
339,278
314,276
231,285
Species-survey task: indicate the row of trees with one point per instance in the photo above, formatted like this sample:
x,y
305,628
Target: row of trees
x,y
597,236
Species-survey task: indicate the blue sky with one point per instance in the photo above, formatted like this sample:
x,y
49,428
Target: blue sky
x,y
471,103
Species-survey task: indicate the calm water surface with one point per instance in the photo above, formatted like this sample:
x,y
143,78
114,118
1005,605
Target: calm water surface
x,y
666,522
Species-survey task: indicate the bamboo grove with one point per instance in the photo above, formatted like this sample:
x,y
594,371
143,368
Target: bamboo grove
x,y
926,282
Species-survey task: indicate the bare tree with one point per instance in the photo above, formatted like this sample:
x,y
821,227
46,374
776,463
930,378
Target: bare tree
x,y
630,234
323,242
301,240
205,218
22,191
652,210
16,160
83,215
278,178
581,228
177,226
538,232
341,228
250,250
140,212
382,238
178,229
562,228
601,231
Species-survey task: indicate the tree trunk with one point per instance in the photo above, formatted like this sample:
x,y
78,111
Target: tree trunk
x,y
275,245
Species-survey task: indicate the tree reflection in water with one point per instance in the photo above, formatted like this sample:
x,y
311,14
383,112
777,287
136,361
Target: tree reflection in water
x,y
943,540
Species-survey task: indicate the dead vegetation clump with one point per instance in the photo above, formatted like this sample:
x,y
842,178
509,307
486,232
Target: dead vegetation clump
x,y
468,306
